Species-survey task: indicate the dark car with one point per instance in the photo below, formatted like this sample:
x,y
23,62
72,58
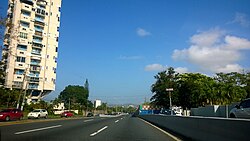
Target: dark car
x,y
11,114
90,115
242,110
67,114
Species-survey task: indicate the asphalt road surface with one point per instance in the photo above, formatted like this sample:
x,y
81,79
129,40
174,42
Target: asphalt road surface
x,y
123,128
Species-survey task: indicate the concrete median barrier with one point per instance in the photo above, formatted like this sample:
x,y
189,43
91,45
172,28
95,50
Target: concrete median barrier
x,y
203,128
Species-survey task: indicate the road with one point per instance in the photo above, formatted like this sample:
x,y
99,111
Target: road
x,y
123,128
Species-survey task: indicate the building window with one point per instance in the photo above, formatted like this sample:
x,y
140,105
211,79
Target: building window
x,y
39,18
54,69
38,28
19,72
23,35
24,24
20,59
35,62
37,39
22,47
40,11
25,13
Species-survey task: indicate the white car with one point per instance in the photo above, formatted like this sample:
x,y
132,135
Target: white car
x,y
38,113
242,110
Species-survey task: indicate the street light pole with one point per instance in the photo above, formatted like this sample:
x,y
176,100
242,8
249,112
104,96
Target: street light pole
x,y
169,90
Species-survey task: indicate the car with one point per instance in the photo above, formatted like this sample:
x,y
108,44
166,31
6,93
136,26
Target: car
x,y
90,115
67,114
168,112
11,114
242,110
38,113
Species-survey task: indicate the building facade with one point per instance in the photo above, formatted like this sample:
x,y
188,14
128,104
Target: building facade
x,y
97,103
31,46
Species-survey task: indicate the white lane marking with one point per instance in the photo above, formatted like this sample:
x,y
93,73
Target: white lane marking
x,y
121,118
88,120
93,134
170,135
116,121
39,129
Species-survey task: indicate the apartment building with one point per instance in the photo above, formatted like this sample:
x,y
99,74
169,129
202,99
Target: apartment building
x,y
31,46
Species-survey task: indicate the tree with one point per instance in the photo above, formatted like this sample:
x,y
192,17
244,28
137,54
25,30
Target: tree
x,y
164,80
86,85
247,87
103,106
77,96
2,27
8,98
195,90
231,87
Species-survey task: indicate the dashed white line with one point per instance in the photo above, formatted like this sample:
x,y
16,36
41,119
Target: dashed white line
x,y
88,120
116,121
121,118
39,129
93,134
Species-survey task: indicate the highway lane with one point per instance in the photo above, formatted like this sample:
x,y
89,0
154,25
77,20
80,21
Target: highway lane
x,y
123,128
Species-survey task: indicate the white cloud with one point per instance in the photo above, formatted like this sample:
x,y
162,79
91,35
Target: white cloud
x,y
207,38
142,32
181,70
130,57
213,51
242,19
155,67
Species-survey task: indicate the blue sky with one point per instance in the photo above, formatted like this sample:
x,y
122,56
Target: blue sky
x,y
120,45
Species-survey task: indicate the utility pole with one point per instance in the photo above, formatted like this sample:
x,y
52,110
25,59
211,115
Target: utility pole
x,y
69,104
25,88
169,90
22,88
24,96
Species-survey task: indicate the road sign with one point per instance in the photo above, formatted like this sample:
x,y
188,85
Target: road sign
x,y
170,89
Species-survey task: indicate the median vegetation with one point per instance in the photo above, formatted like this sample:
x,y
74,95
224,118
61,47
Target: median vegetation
x,y
195,89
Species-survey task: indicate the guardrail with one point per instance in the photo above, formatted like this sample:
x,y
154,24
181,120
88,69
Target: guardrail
x,y
203,128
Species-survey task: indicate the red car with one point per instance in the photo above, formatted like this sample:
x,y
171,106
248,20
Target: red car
x,y
11,114
67,114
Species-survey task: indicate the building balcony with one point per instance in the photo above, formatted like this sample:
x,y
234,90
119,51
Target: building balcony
x,y
41,2
32,86
34,75
40,14
37,45
17,84
34,80
35,63
35,68
38,33
36,53
38,29
29,2
39,23
39,19
37,40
